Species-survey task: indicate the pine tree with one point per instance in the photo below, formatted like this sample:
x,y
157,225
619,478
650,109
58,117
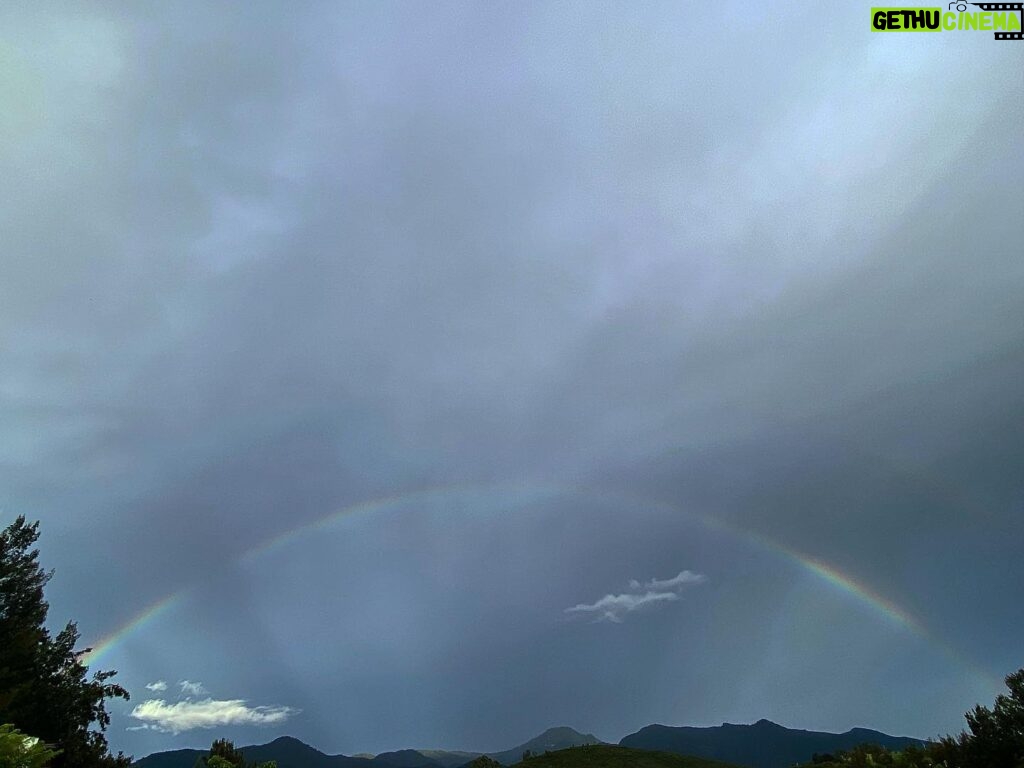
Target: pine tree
x,y
44,688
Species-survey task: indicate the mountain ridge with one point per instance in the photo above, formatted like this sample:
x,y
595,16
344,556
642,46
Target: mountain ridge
x,y
763,744
290,752
551,740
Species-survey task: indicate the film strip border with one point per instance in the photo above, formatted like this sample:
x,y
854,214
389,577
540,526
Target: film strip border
x,y
1018,7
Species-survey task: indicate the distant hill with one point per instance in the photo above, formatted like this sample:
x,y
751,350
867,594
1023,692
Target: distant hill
x,y
287,751
610,756
448,758
292,753
175,758
761,745
410,758
552,740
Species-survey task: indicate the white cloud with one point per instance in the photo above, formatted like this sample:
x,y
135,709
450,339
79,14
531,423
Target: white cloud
x,y
614,607
158,715
685,578
188,688
159,685
656,591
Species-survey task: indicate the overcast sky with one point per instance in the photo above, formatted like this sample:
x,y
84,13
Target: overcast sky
x,y
600,317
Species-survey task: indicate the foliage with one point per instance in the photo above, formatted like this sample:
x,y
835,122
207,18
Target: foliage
x,y
484,762
223,751
224,755
44,688
611,756
20,751
994,739
996,736
872,756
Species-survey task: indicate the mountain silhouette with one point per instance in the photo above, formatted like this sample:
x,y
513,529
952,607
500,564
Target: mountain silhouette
x,y
612,756
411,758
552,740
289,752
447,758
762,745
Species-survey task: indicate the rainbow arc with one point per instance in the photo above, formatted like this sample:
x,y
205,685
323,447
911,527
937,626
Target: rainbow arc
x,y
521,496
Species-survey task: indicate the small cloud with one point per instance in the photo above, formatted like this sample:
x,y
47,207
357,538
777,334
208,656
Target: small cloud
x,y
614,608
188,688
159,685
158,715
683,579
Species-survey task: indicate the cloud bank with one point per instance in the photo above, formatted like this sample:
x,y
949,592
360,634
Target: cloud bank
x,y
614,608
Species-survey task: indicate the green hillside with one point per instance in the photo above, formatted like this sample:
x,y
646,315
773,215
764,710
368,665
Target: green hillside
x,y
610,756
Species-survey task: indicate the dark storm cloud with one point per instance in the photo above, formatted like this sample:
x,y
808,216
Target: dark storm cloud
x,y
261,266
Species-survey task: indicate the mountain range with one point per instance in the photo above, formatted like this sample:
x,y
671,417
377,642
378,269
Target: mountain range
x,y
761,745
292,753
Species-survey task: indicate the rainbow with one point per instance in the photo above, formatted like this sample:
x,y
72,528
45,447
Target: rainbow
x,y
136,622
154,611
520,496
845,584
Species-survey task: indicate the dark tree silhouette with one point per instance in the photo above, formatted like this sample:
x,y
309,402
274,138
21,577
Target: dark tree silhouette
x,y
44,688
224,755
995,737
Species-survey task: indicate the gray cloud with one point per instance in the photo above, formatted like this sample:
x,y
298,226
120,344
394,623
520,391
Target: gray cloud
x,y
736,285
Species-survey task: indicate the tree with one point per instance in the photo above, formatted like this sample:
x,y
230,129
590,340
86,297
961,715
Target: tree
x,y
996,736
224,755
224,750
873,756
994,739
20,751
44,688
